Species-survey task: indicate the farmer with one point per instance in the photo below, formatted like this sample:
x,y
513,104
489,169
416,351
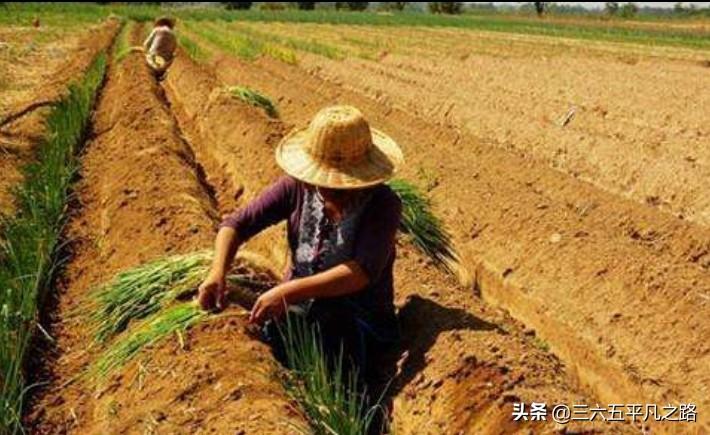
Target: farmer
x,y
160,46
341,227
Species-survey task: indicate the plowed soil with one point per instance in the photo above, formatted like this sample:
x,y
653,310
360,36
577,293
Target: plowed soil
x,y
141,197
35,71
639,127
618,289
467,362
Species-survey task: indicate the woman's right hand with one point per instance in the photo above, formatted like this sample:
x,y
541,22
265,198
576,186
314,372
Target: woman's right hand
x,y
212,292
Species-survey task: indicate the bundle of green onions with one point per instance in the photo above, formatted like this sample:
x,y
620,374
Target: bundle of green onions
x,y
423,226
139,292
176,318
254,98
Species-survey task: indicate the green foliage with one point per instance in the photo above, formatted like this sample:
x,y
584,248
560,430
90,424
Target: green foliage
x,y
393,6
254,98
237,5
142,291
445,7
123,42
628,10
540,7
351,6
333,401
306,6
278,42
173,319
422,225
193,50
30,252
611,8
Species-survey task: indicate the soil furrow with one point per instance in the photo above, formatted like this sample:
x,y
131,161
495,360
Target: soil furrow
x,y
140,198
607,282
456,344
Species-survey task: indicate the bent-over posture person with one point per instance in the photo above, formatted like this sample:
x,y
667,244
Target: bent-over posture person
x,y
341,227
160,46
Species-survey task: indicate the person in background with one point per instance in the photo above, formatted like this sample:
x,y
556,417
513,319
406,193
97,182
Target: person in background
x,y
342,220
160,46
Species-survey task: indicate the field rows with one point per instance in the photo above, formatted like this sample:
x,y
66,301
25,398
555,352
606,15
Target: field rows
x,y
576,272
582,265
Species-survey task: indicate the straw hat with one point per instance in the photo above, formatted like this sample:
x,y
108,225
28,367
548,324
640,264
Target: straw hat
x,y
339,150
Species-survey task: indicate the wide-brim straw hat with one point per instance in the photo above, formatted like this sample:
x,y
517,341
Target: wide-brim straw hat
x,y
339,150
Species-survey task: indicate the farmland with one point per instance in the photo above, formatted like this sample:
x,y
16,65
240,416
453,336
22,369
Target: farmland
x,y
568,160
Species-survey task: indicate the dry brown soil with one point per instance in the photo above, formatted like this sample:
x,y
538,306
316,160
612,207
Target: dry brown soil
x,y
618,289
467,361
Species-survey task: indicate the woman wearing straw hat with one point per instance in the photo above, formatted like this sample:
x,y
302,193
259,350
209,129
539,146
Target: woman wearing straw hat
x,y
342,221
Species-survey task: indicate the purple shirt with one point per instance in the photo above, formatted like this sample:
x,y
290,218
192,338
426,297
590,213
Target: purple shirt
x,y
374,247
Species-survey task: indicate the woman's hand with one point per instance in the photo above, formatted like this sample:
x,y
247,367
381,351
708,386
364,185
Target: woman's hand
x,y
271,304
212,292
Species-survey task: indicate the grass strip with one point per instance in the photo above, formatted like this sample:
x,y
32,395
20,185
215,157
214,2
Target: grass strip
x,y
307,45
233,43
30,252
597,27
193,50
254,98
175,318
423,227
239,44
332,400
123,42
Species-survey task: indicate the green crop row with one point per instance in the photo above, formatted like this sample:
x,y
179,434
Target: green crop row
x,y
31,247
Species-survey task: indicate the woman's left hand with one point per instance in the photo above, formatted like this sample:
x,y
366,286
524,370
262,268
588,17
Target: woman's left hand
x,y
269,305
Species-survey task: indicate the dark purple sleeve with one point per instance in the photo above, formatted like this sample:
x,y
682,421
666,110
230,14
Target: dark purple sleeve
x,y
273,205
375,242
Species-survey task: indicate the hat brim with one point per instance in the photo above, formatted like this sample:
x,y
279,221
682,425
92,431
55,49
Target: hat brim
x,y
378,166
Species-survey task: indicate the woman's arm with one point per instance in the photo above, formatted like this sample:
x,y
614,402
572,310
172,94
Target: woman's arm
x,y
212,290
341,280
272,206
149,40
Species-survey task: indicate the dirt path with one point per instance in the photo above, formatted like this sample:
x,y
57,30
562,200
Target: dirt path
x,y
140,197
456,343
40,75
617,289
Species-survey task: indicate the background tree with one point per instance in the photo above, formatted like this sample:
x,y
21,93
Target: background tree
x,y
445,7
238,5
611,8
540,8
393,6
358,6
353,6
629,10
306,6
